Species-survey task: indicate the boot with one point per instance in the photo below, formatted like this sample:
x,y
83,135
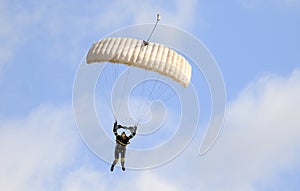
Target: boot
x,y
112,167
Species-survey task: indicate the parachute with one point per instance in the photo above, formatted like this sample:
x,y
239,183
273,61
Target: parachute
x,y
138,53
159,60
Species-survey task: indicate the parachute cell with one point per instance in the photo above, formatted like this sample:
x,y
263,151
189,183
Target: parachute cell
x,y
151,56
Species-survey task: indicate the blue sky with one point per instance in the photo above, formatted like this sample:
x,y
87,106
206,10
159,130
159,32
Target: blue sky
x,y
255,43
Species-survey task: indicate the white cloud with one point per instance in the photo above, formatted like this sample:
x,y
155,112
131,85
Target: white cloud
x,y
34,149
261,136
83,179
42,151
12,21
177,13
58,30
260,139
148,181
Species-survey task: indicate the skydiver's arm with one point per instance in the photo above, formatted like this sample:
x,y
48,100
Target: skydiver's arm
x,y
133,133
115,128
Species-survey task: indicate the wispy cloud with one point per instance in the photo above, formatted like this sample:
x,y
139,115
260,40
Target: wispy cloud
x,y
13,18
181,14
84,179
39,150
259,140
58,29
150,181
36,148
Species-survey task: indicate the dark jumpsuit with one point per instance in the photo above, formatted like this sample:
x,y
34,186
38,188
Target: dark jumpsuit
x,y
121,143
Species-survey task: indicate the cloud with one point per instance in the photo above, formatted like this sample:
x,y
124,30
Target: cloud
x,y
39,151
42,151
12,21
36,148
260,139
261,136
148,181
177,13
59,31
84,179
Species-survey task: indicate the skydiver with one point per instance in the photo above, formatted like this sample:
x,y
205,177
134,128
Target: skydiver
x,y
121,142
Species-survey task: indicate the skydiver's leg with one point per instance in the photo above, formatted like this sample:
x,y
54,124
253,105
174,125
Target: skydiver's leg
x,y
123,163
123,151
117,151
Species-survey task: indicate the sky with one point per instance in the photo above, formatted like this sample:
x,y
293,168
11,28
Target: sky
x,y
255,44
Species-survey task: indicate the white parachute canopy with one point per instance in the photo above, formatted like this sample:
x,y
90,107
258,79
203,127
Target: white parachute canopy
x,y
150,56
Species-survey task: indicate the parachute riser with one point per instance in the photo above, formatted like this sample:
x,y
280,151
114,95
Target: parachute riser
x,y
157,20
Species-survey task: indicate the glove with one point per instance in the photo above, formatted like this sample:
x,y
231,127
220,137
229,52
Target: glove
x,y
115,126
134,130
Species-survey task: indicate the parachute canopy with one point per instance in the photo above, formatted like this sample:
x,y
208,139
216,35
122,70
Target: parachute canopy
x,y
150,56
